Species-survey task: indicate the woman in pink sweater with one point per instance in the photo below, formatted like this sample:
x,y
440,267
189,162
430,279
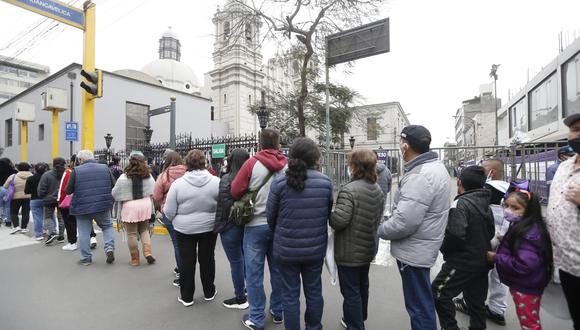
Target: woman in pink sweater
x,y
173,169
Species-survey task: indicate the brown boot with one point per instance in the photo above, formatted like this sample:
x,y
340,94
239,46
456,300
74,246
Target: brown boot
x,y
134,258
147,253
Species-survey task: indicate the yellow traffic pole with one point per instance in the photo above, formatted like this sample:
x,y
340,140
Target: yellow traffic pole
x,y
88,103
54,134
24,141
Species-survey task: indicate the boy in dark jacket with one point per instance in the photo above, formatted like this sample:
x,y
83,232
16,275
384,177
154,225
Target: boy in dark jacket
x,y
469,231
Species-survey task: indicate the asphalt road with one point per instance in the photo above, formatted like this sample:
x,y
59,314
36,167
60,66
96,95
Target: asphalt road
x,y
44,288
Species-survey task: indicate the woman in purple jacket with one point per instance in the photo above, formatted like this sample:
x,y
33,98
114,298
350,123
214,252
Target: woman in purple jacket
x,y
524,257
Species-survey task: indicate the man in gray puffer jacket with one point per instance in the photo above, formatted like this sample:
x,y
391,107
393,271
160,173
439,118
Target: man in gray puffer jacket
x,y
417,226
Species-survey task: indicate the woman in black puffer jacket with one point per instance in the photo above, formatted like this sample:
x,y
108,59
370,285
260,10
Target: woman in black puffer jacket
x,y
232,236
356,216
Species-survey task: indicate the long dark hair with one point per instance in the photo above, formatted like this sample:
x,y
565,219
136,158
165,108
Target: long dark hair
x,y
59,166
236,159
532,216
304,154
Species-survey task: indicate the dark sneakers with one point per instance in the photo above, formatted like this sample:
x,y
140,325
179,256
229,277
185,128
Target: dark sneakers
x,y
495,317
277,319
51,238
176,282
110,256
461,306
236,303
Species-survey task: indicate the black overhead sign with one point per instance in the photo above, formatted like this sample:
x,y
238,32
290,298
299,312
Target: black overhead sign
x,y
362,41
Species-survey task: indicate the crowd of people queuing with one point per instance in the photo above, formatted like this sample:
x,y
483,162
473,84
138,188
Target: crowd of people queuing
x,y
493,236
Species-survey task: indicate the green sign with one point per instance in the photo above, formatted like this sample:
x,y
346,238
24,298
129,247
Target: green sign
x,y
218,150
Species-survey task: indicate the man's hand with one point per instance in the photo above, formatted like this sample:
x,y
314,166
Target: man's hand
x,y
573,194
490,256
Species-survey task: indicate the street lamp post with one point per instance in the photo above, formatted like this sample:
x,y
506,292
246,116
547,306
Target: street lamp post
x,y
351,141
108,141
148,134
493,74
263,116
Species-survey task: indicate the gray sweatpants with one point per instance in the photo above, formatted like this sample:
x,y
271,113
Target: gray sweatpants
x,y
49,224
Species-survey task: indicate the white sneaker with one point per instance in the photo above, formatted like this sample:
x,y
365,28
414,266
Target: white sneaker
x,y
93,242
16,230
39,238
70,247
24,231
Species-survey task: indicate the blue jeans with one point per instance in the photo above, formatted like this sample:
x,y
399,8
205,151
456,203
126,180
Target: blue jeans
x,y
312,284
169,226
4,206
85,225
418,297
354,287
257,247
37,216
232,241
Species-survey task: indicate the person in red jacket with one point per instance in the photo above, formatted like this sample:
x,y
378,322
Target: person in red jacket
x,y
258,237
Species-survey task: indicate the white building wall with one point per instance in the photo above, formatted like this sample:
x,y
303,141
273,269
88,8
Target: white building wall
x,y
193,115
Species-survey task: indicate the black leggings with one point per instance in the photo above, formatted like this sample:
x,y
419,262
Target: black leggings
x,y
70,224
15,206
193,249
571,287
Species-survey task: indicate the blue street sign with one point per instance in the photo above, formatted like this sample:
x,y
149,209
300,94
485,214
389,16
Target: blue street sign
x,y
71,131
382,157
55,10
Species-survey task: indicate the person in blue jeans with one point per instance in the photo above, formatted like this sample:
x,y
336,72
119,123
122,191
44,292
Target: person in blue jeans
x,y
173,169
417,225
300,237
91,183
232,236
260,171
36,204
6,170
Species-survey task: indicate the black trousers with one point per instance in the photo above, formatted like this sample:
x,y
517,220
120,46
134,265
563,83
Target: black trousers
x,y
354,287
448,284
15,206
571,287
70,224
193,249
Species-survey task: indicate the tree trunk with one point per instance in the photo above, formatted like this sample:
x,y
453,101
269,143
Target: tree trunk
x,y
304,85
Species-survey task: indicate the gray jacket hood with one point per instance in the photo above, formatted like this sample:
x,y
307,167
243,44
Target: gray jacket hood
x,y
197,178
381,167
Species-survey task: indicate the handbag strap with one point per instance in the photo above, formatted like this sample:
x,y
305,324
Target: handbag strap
x,y
260,187
13,177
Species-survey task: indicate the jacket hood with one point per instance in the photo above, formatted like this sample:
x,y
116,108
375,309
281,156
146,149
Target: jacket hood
x,y
274,160
381,167
197,178
478,198
23,174
177,171
421,159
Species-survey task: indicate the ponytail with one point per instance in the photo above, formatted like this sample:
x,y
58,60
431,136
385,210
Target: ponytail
x,y
296,174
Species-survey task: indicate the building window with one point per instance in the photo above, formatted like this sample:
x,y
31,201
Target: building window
x,y
41,132
518,120
571,86
8,132
225,99
543,103
372,129
135,122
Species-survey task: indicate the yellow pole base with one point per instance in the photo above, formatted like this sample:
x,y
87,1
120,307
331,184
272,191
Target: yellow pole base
x,y
24,141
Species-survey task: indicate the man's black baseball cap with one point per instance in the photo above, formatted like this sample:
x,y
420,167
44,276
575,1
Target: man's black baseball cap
x,y
416,133
571,119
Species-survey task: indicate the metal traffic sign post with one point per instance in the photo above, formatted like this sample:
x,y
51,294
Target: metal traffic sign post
x,y
362,41
171,109
81,19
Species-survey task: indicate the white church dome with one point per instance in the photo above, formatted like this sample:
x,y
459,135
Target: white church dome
x,y
173,74
168,70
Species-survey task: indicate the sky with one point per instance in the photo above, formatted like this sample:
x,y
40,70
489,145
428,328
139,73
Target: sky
x,y
441,51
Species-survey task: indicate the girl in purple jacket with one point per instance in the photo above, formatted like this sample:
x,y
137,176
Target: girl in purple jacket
x,y
524,257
